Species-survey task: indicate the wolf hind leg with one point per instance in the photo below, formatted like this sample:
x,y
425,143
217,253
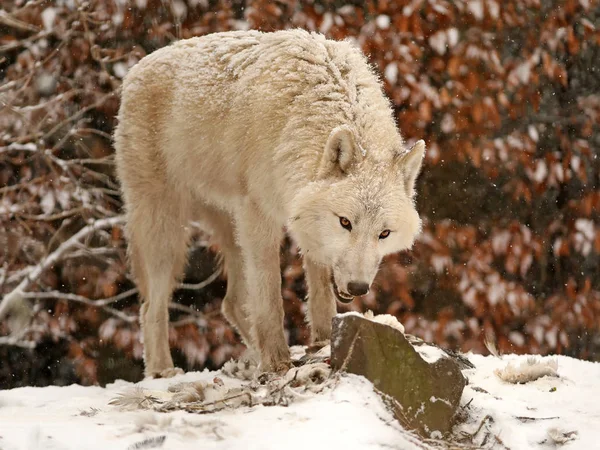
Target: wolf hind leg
x,y
221,226
158,239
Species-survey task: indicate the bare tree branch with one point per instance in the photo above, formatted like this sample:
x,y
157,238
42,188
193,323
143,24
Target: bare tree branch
x,y
17,293
86,301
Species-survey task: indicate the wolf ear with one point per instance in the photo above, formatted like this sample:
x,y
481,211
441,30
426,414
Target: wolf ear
x,y
409,166
341,152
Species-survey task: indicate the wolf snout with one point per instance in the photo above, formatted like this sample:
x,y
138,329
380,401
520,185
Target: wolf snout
x,y
356,288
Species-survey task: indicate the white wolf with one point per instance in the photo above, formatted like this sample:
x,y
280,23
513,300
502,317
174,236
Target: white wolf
x,y
248,133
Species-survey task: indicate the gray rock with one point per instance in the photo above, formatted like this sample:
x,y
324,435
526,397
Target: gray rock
x,y
424,382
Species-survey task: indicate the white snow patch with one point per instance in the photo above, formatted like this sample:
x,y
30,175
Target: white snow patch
x,y
383,22
541,171
522,72
575,163
327,23
385,319
179,9
448,125
430,353
48,202
351,313
533,133
475,7
120,69
585,235
391,73
493,8
438,42
452,37
48,17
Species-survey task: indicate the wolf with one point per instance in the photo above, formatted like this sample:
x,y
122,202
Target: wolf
x,y
251,134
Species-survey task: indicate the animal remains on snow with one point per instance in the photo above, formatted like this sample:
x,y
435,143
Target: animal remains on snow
x,y
247,133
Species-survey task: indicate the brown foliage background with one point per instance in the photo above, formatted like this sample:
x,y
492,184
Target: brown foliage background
x,y
505,93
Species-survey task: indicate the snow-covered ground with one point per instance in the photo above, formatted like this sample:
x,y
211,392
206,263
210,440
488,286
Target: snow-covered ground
x,y
538,414
346,415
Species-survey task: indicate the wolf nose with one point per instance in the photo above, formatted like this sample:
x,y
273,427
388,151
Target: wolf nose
x,y
357,289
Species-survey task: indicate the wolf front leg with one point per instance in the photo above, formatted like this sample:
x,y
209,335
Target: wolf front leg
x,y
321,300
260,240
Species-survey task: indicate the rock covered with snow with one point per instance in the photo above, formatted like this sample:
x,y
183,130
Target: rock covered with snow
x,y
423,382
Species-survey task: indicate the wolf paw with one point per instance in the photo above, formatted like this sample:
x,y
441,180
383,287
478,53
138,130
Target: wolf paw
x,y
244,368
273,371
166,373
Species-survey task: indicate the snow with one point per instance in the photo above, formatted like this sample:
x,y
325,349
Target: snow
x,y
391,73
560,405
350,416
585,235
383,21
430,353
475,7
48,17
120,69
526,416
437,41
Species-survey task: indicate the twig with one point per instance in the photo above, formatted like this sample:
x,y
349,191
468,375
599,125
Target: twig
x,y
84,300
483,422
533,419
24,42
51,217
13,22
202,284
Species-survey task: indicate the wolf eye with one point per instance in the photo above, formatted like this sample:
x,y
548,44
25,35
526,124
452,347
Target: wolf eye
x,y
384,234
345,223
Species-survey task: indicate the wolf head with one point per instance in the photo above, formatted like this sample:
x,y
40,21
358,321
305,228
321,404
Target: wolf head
x,y
357,211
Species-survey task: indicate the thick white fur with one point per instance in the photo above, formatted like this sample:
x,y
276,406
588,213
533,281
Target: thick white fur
x,y
249,132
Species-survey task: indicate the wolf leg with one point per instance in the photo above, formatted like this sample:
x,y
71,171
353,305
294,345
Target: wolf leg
x,y
321,300
234,304
260,241
157,251
221,227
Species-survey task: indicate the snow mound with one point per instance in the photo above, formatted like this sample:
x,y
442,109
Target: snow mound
x,y
385,319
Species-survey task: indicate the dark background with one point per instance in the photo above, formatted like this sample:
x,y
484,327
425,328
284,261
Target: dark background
x,y
505,93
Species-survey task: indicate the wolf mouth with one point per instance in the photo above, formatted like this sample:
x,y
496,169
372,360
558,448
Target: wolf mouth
x,y
341,296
